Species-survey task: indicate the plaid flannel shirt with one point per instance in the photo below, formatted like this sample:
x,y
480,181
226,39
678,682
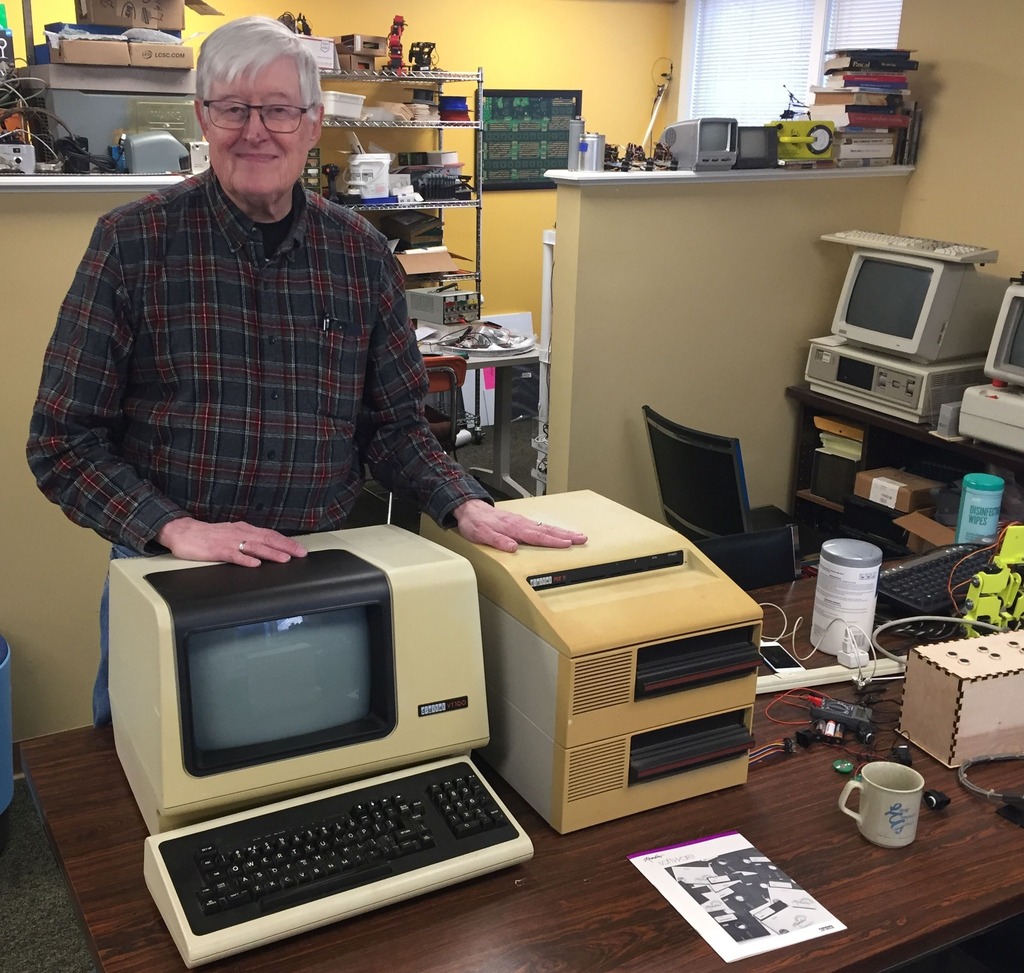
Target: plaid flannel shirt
x,y
190,374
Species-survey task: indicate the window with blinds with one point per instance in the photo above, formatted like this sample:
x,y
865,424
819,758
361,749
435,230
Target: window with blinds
x,y
749,55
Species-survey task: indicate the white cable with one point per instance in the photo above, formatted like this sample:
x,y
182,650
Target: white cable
x,y
784,634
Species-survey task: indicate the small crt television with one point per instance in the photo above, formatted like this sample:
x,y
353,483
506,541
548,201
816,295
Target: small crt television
x,y
757,147
232,686
1005,361
703,144
916,307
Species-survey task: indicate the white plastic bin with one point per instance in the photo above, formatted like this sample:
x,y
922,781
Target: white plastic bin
x,y
342,104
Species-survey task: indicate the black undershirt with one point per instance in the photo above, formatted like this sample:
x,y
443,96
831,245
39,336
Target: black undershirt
x,y
274,233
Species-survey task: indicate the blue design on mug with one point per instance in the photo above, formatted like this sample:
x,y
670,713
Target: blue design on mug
x,y
898,816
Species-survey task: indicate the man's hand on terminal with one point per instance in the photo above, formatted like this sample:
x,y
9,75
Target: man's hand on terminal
x,y
483,524
236,542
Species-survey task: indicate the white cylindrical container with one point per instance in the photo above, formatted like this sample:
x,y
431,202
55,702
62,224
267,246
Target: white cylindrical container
x,y
845,594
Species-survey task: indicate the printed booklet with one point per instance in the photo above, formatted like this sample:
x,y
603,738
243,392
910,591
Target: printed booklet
x,y
734,896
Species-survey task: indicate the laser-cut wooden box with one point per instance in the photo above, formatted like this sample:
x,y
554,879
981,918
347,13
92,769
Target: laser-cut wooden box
x,y
963,698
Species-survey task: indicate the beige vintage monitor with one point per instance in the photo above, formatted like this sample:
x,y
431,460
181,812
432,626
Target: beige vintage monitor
x,y
621,674
230,686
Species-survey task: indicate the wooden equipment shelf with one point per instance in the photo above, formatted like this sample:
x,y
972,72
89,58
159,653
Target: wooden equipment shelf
x,y
887,442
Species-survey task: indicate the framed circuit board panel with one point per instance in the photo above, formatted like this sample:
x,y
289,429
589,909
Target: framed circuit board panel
x,y
526,133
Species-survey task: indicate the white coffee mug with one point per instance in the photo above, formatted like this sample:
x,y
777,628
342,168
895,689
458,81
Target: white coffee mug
x,y
890,803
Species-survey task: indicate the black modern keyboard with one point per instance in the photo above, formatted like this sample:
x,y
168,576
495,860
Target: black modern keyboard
x,y
246,879
921,585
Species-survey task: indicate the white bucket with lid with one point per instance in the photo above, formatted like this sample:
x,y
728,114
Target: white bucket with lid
x,y
368,173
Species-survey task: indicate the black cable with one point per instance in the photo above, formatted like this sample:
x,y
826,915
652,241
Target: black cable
x,y
77,159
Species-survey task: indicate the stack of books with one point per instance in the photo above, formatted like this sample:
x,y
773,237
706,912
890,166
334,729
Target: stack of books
x,y
866,95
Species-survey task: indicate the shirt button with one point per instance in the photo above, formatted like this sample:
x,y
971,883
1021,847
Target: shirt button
x,y
273,396
271,454
271,340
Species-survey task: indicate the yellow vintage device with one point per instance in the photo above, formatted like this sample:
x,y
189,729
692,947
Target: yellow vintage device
x,y
620,674
804,140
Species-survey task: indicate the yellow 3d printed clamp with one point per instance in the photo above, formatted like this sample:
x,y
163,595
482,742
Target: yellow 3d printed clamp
x,y
994,595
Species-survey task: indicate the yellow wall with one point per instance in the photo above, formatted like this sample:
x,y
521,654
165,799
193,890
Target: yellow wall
x,y
51,572
969,84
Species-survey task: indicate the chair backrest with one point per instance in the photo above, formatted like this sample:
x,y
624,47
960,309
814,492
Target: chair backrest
x,y
447,374
700,479
758,558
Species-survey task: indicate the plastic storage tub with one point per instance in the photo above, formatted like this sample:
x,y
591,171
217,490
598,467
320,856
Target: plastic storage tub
x,y
342,104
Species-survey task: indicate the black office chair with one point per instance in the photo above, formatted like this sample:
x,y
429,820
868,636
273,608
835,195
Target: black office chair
x,y
757,558
701,484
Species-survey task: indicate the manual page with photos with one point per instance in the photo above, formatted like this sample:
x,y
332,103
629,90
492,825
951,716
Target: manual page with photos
x,y
735,897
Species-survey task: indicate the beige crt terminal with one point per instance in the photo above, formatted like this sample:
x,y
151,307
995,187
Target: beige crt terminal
x,y
437,657
619,694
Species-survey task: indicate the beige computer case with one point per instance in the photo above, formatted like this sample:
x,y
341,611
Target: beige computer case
x,y
569,669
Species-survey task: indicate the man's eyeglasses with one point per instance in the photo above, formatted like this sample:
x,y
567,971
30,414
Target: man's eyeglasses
x,y
281,119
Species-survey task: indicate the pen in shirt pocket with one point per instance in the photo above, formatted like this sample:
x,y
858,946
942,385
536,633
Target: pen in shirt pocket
x,y
328,323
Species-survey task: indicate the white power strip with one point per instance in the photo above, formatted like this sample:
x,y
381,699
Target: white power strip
x,y
780,682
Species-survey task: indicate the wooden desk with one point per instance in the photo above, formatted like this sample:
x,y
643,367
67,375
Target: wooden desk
x,y
578,905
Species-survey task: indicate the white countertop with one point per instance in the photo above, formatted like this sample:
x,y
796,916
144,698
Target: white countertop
x,y
584,178
102,183
92,183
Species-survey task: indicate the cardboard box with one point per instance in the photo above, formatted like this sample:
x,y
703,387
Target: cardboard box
x,y
157,14
961,699
923,533
161,56
356,62
323,50
371,44
90,52
895,489
432,260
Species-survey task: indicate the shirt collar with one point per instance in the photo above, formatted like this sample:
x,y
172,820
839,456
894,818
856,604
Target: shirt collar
x,y
238,228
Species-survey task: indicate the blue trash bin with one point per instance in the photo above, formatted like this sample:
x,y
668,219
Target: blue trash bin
x,y
6,743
